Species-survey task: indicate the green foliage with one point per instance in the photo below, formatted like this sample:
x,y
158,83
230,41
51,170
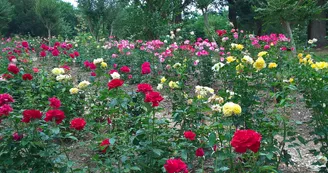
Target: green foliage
x,y
5,14
49,13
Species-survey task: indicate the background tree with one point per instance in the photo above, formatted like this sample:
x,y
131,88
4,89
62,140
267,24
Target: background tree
x,y
318,26
288,12
5,13
49,13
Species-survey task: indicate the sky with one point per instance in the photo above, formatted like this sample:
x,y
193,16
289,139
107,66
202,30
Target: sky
x,y
73,2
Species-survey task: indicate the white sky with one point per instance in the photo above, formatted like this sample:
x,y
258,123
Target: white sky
x,y
73,2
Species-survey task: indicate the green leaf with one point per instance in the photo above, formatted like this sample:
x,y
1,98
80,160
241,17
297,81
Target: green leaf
x,y
212,139
158,151
135,168
223,168
184,154
302,140
112,140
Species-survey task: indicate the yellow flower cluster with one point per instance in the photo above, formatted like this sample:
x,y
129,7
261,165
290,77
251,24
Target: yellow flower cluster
x,y
306,60
319,65
237,46
259,64
230,109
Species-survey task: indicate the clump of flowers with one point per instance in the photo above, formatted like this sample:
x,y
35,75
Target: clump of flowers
x,y
31,114
230,109
202,91
244,140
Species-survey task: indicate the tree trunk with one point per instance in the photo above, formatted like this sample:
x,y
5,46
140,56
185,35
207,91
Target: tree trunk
x,y
232,13
286,25
317,28
207,25
49,36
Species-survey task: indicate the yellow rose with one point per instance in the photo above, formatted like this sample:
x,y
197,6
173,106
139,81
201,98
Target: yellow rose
x,y
291,80
230,59
163,80
173,85
103,64
308,56
230,109
239,47
300,55
57,71
260,54
272,65
259,64
74,90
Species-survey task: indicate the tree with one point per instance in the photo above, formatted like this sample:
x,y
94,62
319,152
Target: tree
x,y
5,13
49,13
317,27
287,12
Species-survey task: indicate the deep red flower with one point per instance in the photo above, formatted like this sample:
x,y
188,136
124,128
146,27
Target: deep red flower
x,y
125,69
109,121
57,44
93,73
145,68
78,123
54,102
24,43
112,71
189,135
43,53
215,147
200,152
44,47
104,145
17,137
5,99
55,52
92,66
72,55
86,63
56,115
32,114
66,67
76,53
221,32
115,83
27,77
144,88
175,166
11,58
154,97
13,68
7,76
5,110
246,139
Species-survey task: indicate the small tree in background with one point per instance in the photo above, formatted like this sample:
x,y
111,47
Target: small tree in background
x,y
49,13
287,12
5,13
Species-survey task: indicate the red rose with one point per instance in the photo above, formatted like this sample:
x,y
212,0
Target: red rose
x,y
86,63
29,115
57,115
112,71
246,139
72,55
66,67
175,166
200,152
92,66
76,53
130,76
56,44
145,68
55,52
43,53
13,68
17,137
78,123
54,102
7,76
109,121
115,83
93,74
144,88
104,145
154,97
44,47
6,98
11,58
27,77
114,65
5,110
221,32
24,43
189,135
125,69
